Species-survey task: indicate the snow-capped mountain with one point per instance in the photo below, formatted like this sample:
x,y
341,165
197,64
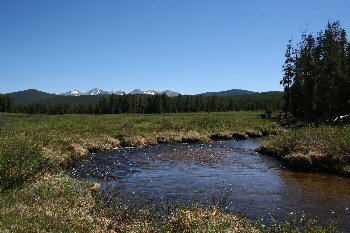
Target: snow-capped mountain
x,y
170,93
73,93
97,91
138,91
118,92
152,92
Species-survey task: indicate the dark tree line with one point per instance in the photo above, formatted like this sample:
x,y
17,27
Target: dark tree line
x,y
317,75
6,104
146,104
186,103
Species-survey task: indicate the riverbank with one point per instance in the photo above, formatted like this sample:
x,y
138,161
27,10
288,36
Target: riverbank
x,y
62,204
59,203
67,138
35,151
323,148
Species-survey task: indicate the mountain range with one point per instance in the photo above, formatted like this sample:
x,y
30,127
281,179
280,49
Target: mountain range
x,y
98,91
229,93
76,96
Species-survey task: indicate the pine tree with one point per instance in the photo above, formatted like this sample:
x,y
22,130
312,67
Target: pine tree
x,y
316,75
288,70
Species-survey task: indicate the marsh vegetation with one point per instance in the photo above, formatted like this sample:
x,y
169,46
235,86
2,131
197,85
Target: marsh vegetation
x,y
38,194
322,148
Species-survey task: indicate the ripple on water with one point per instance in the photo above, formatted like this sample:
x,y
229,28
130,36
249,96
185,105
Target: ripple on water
x,y
184,172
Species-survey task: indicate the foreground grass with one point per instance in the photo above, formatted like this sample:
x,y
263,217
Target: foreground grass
x,y
61,204
55,203
323,148
58,203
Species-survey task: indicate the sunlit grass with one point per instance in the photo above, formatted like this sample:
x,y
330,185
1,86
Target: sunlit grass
x,y
325,148
37,195
21,159
62,135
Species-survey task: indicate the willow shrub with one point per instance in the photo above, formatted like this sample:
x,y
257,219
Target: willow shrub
x,y
21,159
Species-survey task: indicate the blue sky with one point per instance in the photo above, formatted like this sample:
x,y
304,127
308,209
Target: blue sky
x,y
190,46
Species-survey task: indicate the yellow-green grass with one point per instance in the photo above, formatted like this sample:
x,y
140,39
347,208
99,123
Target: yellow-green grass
x,y
36,149
61,204
67,137
38,196
324,148
58,203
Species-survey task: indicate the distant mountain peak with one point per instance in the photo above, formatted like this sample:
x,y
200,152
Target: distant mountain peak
x,y
170,93
140,92
73,93
232,92
120,92
94,91
153,92
29,96
97,91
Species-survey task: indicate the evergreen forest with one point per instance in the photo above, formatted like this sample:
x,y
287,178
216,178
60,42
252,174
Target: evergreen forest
x,y
146,104
317,75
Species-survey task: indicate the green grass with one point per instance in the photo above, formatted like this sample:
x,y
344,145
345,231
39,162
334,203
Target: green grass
x,y
68,137
21,159
297,222
62,204
324,148
37,195
76,126
58,203
54,204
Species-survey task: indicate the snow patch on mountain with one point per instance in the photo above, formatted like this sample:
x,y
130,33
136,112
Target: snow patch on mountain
x,y
73,93
118,92
98,91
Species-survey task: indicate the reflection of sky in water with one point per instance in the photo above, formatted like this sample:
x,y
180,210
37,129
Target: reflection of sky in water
x,y
187,172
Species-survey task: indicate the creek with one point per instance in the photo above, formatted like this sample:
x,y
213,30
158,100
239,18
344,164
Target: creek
x,y
253,185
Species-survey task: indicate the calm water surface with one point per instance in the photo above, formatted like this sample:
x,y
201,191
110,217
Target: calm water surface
x,y
258,185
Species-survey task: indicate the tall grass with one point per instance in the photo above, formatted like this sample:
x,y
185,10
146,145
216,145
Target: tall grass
x,y
62,134
53,204
21,159
30,145
324,147
297,222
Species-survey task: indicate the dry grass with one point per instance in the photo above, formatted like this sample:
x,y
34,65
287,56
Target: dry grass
x,y
70,137
44,199
324,148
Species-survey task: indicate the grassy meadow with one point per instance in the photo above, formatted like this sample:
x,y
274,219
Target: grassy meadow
x,y
322,148
38,195
68,137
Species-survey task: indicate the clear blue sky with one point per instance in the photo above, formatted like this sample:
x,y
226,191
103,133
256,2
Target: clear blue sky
x,y
191,46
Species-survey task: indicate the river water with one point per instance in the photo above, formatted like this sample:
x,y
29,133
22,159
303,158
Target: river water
x,y
254,185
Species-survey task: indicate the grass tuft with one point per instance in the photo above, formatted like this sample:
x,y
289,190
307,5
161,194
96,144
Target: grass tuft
x,y
21,159
324,148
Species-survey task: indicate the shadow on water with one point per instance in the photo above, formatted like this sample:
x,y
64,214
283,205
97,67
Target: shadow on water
x,y
186,172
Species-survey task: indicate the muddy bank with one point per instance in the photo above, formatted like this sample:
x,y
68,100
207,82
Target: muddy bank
x,y
309,160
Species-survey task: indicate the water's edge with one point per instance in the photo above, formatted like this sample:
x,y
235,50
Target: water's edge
x,y
184,172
